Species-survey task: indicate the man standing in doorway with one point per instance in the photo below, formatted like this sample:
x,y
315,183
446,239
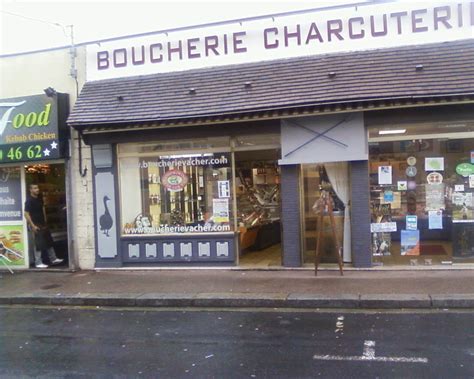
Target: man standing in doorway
x,y
35,215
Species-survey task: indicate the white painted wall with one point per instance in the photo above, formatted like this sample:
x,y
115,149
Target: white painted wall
x,y
30,74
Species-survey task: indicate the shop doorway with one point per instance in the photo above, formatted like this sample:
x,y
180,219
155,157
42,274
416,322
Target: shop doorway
x,y
51,180
258,208
331,179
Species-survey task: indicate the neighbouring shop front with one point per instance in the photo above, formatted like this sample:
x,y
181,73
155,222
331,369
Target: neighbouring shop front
x,y
32,151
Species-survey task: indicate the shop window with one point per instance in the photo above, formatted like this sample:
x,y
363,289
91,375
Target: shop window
x,y
163,192
421,195
258,206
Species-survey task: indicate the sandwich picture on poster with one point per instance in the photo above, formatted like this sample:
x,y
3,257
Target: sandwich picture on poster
x,y
410,242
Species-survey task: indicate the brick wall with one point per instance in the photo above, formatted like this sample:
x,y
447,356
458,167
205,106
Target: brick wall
x,y
360,214
290,216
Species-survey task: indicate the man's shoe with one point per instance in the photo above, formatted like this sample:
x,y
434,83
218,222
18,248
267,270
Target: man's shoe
x,y
41,265
57,261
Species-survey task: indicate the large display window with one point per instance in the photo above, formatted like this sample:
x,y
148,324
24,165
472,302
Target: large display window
x,y
421,194
171,188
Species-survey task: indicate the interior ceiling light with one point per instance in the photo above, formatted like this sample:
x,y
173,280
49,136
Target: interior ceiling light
x,y
392,131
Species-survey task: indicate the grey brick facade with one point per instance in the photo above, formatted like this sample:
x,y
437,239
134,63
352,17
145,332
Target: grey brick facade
x,y
360,214
290,215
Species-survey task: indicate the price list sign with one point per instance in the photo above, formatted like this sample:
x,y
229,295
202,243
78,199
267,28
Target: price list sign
x,y
29,129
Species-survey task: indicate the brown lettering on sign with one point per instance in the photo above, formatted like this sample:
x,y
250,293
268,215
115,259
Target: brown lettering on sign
x,y
178,49
361,32
237,40
296,34
156,57
266,43
472,13
135,61
335,27
379,33
102,60
313,33
416,19
460,17
442,18
116,55
210,44
398,16
191,47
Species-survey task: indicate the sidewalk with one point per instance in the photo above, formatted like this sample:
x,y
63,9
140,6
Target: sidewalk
x,y
231,288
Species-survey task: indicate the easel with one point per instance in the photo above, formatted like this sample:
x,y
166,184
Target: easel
x,y
325,204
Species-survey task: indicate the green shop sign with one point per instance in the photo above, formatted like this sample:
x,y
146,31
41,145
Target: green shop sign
x,y
32,128
465,169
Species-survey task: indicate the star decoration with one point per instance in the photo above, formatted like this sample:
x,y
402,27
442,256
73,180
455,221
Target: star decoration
x,y
46,152
54,145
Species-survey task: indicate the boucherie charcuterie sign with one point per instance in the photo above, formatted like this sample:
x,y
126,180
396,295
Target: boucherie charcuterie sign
x,y
349,28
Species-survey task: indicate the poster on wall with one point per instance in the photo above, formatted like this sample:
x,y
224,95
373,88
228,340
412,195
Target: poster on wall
x,y
10,195
435,219
383,227
12,245
434,197
385,174
402,185
434,164
223,188
412,222
410,242
463,210
220,210
381,243
471,181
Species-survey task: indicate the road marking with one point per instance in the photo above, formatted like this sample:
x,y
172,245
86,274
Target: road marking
x,y
369,355
369,349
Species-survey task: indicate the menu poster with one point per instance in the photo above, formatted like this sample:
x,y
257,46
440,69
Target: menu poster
x,y
463,210
410,242
12,245
385,174
435,219
220,210
10,194
412,222
434,196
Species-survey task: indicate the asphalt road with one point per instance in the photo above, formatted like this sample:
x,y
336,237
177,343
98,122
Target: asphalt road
x,y
81,342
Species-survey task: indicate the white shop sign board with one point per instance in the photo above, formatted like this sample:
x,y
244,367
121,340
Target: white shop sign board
x,y
323,31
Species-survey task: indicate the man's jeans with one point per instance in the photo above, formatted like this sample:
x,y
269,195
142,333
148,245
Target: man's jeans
x,y
51,255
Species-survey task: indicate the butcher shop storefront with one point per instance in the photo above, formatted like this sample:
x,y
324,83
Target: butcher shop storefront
x,y
214,146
